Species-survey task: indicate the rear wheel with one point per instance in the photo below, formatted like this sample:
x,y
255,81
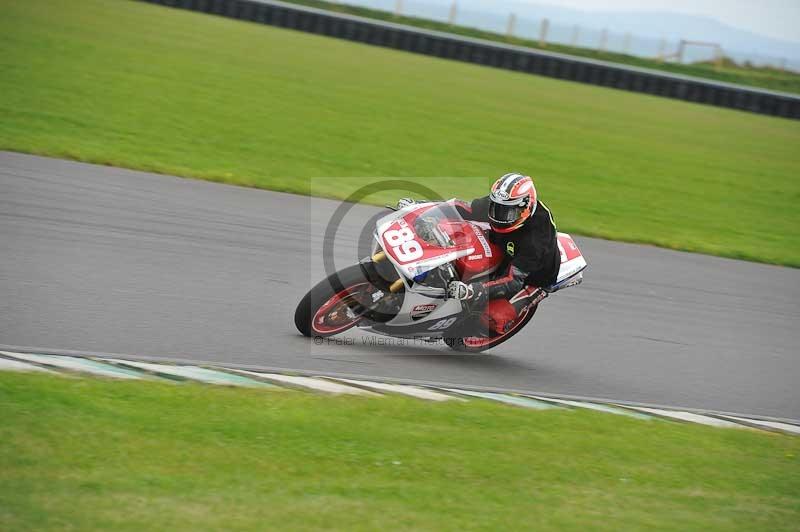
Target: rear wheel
x,y
478,344
335,305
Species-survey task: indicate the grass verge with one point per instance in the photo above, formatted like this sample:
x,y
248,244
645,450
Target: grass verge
x,y
91,454
140,86
729,72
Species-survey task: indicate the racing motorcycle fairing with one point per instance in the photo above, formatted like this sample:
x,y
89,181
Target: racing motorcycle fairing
x,y
425,236
572,264
430,244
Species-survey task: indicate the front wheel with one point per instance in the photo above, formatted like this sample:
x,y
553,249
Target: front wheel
x,y
335,304
478,344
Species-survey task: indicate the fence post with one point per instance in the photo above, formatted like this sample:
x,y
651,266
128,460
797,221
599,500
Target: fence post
x,y
662,50
543,32
718,57
398,8
576,31
512,21
453,13
681,47
603,39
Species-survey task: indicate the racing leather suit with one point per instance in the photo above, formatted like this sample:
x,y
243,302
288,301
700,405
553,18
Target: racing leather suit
x,y
532,255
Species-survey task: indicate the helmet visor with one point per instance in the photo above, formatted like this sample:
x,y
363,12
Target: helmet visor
x,y
505,215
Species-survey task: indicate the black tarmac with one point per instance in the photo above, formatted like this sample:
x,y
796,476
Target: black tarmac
x,y
100,259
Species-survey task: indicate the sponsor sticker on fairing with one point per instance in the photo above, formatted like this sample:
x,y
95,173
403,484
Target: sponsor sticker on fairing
x,y
420,311
487,250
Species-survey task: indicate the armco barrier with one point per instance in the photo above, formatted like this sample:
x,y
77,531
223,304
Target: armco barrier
x,y
498,55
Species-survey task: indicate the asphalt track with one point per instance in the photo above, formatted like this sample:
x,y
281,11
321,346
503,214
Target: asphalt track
x,y
106,260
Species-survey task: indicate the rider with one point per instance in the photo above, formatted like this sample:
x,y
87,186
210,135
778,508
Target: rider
x,y
524,229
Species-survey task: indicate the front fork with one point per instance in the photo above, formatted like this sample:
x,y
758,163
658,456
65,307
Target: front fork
x,y
382,275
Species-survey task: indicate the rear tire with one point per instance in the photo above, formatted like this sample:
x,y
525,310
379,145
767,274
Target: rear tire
x,y
330,292
479,345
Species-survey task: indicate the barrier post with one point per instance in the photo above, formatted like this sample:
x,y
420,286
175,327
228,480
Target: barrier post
x,y
512,22
543,32
681,47
453,13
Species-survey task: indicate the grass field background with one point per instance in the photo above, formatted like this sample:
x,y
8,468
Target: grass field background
x,y
87,454
135,85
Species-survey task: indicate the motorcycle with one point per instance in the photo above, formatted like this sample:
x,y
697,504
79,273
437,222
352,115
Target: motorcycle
x,y
401,289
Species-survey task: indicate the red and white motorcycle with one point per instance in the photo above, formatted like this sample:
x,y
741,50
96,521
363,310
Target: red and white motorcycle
x,y
401,290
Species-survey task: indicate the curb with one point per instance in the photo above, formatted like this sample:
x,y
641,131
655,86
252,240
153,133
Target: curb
x,y
141,368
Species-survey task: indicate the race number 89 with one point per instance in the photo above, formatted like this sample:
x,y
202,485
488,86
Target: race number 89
x,y
402,242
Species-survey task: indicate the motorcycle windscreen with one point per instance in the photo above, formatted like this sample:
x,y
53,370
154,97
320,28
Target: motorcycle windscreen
x,y
420,238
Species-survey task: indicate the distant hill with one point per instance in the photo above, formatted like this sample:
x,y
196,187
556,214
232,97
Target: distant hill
x,y
654,24
647,27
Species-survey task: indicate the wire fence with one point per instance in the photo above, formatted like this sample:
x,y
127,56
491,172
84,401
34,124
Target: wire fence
x,y
546,32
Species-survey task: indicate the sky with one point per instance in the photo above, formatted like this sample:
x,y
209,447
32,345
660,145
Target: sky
x,y
773,18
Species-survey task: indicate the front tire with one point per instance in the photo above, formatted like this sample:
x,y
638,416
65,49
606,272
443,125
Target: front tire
x,y
476,344
328,308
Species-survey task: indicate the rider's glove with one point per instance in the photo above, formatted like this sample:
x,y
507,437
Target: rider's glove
x,y
461,291
404,202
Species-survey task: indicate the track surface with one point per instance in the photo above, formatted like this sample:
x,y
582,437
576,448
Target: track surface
x,y
108,260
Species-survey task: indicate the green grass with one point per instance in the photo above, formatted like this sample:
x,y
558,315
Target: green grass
x,y
86,454
141,86
730,72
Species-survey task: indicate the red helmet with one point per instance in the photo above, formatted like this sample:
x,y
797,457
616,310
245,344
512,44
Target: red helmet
x,y
512,202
